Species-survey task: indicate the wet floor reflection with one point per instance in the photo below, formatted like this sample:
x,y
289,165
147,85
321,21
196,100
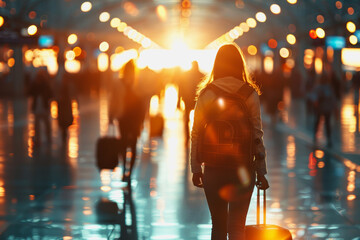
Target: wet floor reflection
x,y
60,194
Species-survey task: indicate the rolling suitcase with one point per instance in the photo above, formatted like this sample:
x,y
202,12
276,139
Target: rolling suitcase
x,y
265,231
107,152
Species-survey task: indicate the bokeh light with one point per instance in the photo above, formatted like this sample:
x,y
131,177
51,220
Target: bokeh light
x,y
252,50
260,16
353,39
320,18
284,52
86,6
251,22
104,46
1,21
351,27
72,38
291,39
32,30
104,17
115,22
320,32
275,9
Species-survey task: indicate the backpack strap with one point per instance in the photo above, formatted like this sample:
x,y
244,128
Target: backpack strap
x,y
243,93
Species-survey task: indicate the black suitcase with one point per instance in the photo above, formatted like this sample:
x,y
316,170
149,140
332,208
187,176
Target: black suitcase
x,y
265,231
107,152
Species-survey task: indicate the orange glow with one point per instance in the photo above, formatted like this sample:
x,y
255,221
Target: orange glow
x,y
272,43
170,100
338,4
131,8
153,193
320,18
318,65
1,21
103,62
72,66
351,11
154,105
2,192
77,51
31,197
351,197
312,34
321,164
87,212
104,117
252,50
161,12
268,65
291,152
54,109
11,62
319,154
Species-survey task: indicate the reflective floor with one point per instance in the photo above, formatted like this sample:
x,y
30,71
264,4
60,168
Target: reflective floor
x,y
55,191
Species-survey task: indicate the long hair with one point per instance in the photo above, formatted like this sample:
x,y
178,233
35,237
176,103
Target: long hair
x,y
229,62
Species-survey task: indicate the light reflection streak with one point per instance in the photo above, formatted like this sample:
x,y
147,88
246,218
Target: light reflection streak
x,y
104,117
31,134
348,127
73,151
291,151
10,119
170,101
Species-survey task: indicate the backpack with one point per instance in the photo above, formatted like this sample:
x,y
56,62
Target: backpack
x,y
227,134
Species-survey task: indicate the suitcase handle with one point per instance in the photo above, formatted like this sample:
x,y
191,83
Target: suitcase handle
x,y
258,207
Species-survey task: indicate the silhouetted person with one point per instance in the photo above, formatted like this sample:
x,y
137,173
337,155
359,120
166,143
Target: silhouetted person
x,y
41,93
356,89
131,117
309,92
274,93
325,105
65,116
187,91
227,178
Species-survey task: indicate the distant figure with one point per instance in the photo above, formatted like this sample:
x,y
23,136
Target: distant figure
x,y
131,117
309,92
65,115
187,91
325,105
356,89
41,93
227,138
274,94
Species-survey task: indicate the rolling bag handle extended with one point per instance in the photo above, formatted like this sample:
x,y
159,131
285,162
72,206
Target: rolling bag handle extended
x,y
258,207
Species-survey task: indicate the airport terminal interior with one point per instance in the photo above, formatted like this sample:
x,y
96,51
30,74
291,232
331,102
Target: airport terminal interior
x,y
51,185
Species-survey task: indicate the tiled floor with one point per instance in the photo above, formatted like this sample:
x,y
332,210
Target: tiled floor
x,y
56,191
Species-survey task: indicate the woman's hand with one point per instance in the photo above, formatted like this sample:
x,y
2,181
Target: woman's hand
x,y
262,183
197,179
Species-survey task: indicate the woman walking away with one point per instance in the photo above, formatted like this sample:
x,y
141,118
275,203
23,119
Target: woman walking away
x,y
227,140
